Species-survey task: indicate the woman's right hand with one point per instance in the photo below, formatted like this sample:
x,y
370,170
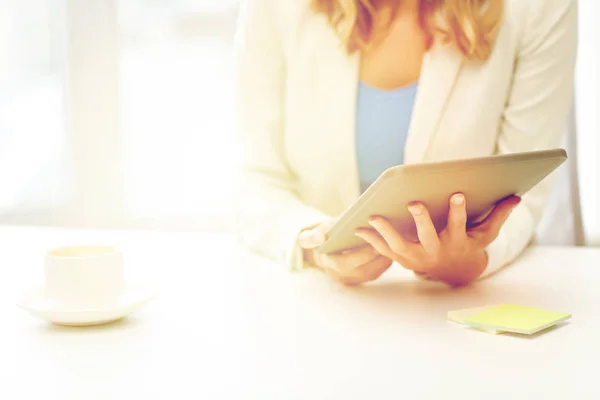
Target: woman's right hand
x,y
351,267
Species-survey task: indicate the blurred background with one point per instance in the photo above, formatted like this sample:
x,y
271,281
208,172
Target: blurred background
x,y
119,113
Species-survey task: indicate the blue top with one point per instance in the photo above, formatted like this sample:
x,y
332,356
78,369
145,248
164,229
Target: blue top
x,y
382,122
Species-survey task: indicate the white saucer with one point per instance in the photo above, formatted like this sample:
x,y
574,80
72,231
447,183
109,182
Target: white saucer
x,y
39,305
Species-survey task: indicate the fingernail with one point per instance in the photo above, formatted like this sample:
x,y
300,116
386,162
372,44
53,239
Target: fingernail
x,y
415,209
318,236
360,234
458,199
375,222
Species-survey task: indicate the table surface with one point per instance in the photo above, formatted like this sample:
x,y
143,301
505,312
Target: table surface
x,y
228,324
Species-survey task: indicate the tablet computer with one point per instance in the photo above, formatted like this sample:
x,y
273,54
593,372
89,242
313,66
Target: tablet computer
x,y
484,181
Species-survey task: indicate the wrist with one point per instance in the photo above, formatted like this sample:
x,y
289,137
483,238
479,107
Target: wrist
x,y
480,265
464,272
475,268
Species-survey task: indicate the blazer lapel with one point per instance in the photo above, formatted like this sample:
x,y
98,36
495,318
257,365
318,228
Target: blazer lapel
x,y
338,83
439,72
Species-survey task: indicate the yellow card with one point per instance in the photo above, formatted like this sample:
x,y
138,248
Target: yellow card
x,y
515,318
460,316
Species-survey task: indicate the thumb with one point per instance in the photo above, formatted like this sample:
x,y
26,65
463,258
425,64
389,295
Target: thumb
x,y
311,238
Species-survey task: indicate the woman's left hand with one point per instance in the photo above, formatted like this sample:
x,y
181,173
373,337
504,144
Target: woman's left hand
x,y
456,256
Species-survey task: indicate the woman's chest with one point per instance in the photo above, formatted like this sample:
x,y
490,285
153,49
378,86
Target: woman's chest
x,y
457,112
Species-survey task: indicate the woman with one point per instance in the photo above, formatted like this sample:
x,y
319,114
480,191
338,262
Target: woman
x,y
332,92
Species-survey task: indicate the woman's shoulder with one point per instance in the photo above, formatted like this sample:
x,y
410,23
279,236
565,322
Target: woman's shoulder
x,y
536,21
285,18
519,9
289,10
533,13
295,20
524,14
543,7
280,11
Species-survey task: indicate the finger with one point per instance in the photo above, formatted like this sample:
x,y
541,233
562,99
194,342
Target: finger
x,y
398,244
368,272
385,238
316,236
425,229
414,251
376,241
350,260
423,276
324,261
490,228
333,274
346,260
311,238
457,218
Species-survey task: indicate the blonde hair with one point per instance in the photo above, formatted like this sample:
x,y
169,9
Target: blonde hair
x,y
470,25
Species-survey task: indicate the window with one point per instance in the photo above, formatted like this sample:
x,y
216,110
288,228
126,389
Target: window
x,y
118,113
33,156
177,105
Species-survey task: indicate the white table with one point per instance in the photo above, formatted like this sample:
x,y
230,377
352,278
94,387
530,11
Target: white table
x,y
227,324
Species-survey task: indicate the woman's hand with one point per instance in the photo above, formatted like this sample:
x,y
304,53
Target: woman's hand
x,y
351,267
456,256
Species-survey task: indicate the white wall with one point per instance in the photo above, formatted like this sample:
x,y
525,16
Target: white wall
x,y
588,116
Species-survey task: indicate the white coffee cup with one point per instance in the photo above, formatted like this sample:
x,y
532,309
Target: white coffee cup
x,y
84,276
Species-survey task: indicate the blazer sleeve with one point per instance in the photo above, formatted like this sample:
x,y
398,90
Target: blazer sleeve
x,y
270,214
536,112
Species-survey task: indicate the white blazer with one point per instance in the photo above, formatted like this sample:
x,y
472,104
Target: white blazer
x,y
296,97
